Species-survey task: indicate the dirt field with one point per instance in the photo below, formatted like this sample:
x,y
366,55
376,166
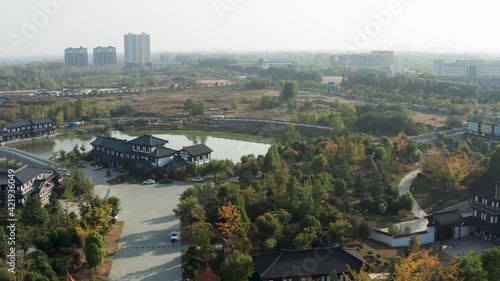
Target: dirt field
x,y
428,119
218,98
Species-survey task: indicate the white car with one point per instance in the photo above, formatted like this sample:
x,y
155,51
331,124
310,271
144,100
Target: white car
x,y
149,181
98,167
198,179
174,236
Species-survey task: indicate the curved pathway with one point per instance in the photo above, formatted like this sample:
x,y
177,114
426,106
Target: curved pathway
x,y
420,223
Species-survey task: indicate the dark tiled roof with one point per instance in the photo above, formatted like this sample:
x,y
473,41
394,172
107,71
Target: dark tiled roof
x,y
108,142
17,123
4,179
163,152
491,192
148,140
327,260
448,217
43,120
197,149
26,122
27,173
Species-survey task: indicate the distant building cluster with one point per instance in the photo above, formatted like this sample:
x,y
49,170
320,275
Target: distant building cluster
x,y
382,59
137,48
467,68
79,56
137,51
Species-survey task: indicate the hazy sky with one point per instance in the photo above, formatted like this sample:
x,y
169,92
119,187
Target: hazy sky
x,y
27,28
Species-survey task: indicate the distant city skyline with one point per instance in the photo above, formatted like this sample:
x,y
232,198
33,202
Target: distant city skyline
x,y
47,27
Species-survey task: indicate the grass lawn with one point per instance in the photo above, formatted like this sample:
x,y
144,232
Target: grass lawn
x,y
433,196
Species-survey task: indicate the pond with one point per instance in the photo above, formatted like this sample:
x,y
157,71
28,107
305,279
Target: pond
x,y
224,148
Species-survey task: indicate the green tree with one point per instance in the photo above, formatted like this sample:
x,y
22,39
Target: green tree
x,y
115,205
470,267
195,107
5,275
338,230
491,262
203,233
405,201
34,214
305,239
319,164
414,245
365,229
289,135
290,90
237,267
94,250
272,160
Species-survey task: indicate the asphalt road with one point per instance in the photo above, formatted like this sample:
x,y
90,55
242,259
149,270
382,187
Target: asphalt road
x,y
145,251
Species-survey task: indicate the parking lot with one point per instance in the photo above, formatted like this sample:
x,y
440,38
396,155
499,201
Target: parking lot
x,y
145,251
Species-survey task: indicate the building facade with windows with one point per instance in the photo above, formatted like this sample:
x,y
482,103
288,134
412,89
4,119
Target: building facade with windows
x,y
146,151
104,55
29,181
26,128
76,57
486,206
137,48
198,154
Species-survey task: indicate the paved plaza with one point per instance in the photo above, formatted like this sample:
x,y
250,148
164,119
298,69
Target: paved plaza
x,y
144,251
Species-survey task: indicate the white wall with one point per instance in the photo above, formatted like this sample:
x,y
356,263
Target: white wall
x,y
425,237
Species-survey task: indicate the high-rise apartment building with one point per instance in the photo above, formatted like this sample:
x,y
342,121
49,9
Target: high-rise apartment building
x,y
76,57
137,48
104,55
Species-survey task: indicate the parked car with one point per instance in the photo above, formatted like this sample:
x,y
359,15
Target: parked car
x,y
174,236
98,167
198,179
166,181
148,181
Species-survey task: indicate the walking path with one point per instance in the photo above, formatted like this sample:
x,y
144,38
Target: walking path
x,y
419,224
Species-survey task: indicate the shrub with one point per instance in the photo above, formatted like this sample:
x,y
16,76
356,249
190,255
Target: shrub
x,y
370,252
379,256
